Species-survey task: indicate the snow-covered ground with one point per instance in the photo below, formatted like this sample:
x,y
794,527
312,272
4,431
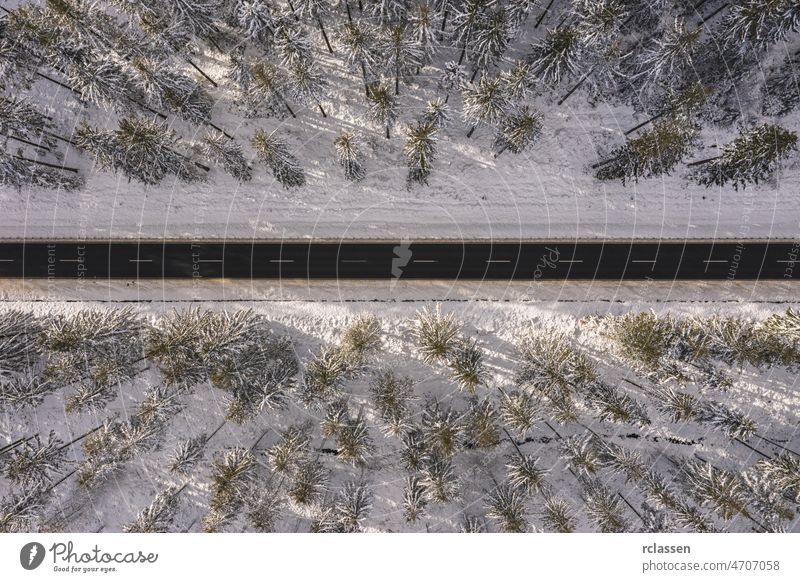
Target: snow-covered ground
x,y
314,317
546,192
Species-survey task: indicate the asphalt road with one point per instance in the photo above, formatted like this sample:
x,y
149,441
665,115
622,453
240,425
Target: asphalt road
x,y
402,260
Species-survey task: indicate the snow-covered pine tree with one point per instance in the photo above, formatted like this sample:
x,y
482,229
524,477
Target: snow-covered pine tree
x,y
732,422
196,16
387,11
525,475
750,158
518,130
557,515
653,153
467,365
518,80
557,56
19,342
233,474
35,465
519,411
581,453
613,405
786,324
436,113
358,42
382,106
419,152
167,88
255,19
315,10
721,489
353,505
757,24
157,517
353,443
490,40
307,83
188,454
392,395
24,391
415,499
323,377
481,429
604,507
452,79
423,30
415,449
267,84
485,102
291,450
439,480
309,482
401,53
598,22
360,341
263,508
275,153
781,89
441,428
350,155
18,511
468,16
627,462
669,56
228,154
291,42
506,505
519,11
435,333
19,118
783,473
19,173
139,148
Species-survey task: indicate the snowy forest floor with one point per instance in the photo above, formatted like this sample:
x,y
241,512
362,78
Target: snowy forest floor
x,y
546,192
314,317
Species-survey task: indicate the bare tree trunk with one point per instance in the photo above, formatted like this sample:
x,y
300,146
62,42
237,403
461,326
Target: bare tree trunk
x,y
542,15
26,142
56,166
321,110
642,124
578,84
387,132
471,131
83,436
349,15
364,74
201,71
324,35
444,20
701,162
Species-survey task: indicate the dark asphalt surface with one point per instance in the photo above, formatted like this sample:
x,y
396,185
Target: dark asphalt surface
x,y
500,261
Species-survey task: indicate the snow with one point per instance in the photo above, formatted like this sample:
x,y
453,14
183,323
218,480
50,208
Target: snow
x,y
546,192
313,316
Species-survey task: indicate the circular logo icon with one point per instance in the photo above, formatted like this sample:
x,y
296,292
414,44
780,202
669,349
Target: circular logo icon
x,y
31,555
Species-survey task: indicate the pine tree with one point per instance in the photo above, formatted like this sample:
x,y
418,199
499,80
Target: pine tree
x,y
323,377
228,154
518,12
19,173
360,341
350,155
439,480
19,343
306,83
582,454
669,56
490,39
653,153
519,411
419,152
353,443
382,106
254,18
518,130
232,478
358,41
786,324
435,333
734,423
36,465
436,114
557,56
309,482
275,152
292,43
290,451
781,89
267,84
485,102
783,473
524,474
506,505
139,148
19,118
197,16
157,517
166,88
598,21
415,449
25,391
518,81
613,405
353,505
414,498
387,11
423,32
315,10
19,510
604,508
720,489
481,430
757,24
188,454
750,158
467,366
263,508
442,428
401,53
469,15
452,79
392,396
473,524
557,515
